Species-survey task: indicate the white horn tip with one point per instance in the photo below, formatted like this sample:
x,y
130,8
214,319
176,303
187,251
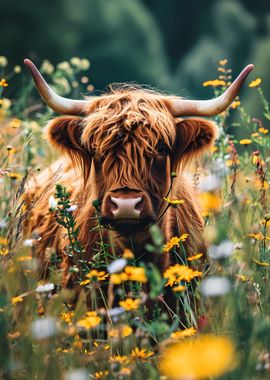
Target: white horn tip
x,y
30,65
247,70
249,67
27,62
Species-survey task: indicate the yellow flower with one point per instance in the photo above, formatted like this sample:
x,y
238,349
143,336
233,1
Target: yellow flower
x,y
245,141
4,251
126,331
3,83
184,333
130,304
210,202
15,123
67,317
128,254
177,273
12,269
235,104
121,332
94,275
214,83
125,371
174,202
261,263
119,359
213,149
24,258
130,274
255,134
266,221
230,162
263,130
241,277
85,282
141,353
11,150
101,374
101,346
114,333
179,289
118,278
15,300
257,236
3,240
255,83
258,184
91,320
256,159
14,175
195,257
223,62
63,350
183,237
204,357
174,242
135,274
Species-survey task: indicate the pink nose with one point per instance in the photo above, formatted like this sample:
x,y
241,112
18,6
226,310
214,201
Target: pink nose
x,y
126,207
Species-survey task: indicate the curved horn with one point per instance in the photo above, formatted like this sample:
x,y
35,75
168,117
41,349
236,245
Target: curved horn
x,y
185,107
55,102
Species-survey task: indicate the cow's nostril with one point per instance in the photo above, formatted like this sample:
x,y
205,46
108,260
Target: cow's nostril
x,y
113,206
139,205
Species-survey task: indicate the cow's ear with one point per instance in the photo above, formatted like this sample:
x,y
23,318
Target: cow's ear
x,y
64,133
194,136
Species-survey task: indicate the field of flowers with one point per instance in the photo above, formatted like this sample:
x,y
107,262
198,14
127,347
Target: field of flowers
x,y
226,329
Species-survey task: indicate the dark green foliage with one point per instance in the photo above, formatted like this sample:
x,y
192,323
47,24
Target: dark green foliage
x,y
231,35
172,45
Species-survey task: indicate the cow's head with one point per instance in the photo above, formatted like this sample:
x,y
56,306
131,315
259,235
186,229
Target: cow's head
x,y
134,138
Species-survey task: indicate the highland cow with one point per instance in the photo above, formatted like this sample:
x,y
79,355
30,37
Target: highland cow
x,y
122,148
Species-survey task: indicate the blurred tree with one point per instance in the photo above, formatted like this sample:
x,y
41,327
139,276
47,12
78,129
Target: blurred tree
x,y
257,7
260,9
182,23
235,29
120,37
232,36
31,29
198,65
138,40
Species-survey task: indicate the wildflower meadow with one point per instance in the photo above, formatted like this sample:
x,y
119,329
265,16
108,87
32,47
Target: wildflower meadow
x,y
225,332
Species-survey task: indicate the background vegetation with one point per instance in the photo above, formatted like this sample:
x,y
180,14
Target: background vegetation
x,y
172,45
175,47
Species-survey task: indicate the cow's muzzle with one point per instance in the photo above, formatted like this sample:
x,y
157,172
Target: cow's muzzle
x,y
127,211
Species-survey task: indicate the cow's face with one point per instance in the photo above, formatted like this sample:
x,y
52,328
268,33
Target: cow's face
x,y
133,143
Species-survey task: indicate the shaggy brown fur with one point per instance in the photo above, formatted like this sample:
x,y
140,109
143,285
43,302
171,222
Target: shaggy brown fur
x,y
128,139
